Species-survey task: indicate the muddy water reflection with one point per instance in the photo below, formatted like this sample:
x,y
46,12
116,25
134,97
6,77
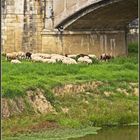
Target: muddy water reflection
x,y
123,133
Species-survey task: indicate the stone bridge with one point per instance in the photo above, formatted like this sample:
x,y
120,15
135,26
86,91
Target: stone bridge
x,y
68,26
88,26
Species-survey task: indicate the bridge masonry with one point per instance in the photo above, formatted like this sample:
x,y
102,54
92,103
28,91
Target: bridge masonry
x,y
68,26
112,42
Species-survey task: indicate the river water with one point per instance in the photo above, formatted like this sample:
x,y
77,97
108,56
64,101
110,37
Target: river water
x,y
123,133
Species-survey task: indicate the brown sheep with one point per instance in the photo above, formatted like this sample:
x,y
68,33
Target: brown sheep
x,y
11,56
105,57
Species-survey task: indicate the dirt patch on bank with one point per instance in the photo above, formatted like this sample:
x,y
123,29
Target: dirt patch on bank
x,y
12,107
39,102
35,100
93,86
76,88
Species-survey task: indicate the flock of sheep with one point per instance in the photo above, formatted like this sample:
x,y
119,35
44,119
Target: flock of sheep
x,y
16,58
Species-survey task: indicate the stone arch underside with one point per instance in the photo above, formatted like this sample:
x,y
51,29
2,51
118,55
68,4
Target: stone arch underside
x,y
106,14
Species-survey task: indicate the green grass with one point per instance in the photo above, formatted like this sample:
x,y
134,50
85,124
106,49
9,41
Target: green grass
x,y
85,110
17,79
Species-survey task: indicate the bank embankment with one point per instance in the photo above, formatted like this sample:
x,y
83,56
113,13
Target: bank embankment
x,y
96,104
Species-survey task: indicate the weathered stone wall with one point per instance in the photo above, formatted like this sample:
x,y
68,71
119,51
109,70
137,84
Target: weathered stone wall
x,y
22,23
11,25
85,42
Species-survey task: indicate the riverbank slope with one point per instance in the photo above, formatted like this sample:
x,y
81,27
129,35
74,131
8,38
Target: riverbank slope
x,y
76,96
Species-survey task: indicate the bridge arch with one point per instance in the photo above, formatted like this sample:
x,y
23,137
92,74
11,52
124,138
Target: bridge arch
x,y
97,14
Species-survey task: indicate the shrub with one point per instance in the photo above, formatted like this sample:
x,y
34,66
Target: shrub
x,y
133,48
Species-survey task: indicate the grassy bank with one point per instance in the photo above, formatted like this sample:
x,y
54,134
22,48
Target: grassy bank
x,y
104,106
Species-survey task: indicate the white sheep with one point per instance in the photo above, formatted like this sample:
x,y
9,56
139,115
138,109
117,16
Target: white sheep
x,y
50,61
57,57
45,60
45,56
21,55
84,60
69,61
37,59
89,61
86,57
15,61
10,56
35,55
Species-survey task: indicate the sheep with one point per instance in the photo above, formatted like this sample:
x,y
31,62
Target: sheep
x,y
28,55
37,59
86,57
57,57
88,61
105,56
10,56
45,56
84,60
35,55
45,60
66,55
69,61
21,55
15,61
49,60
